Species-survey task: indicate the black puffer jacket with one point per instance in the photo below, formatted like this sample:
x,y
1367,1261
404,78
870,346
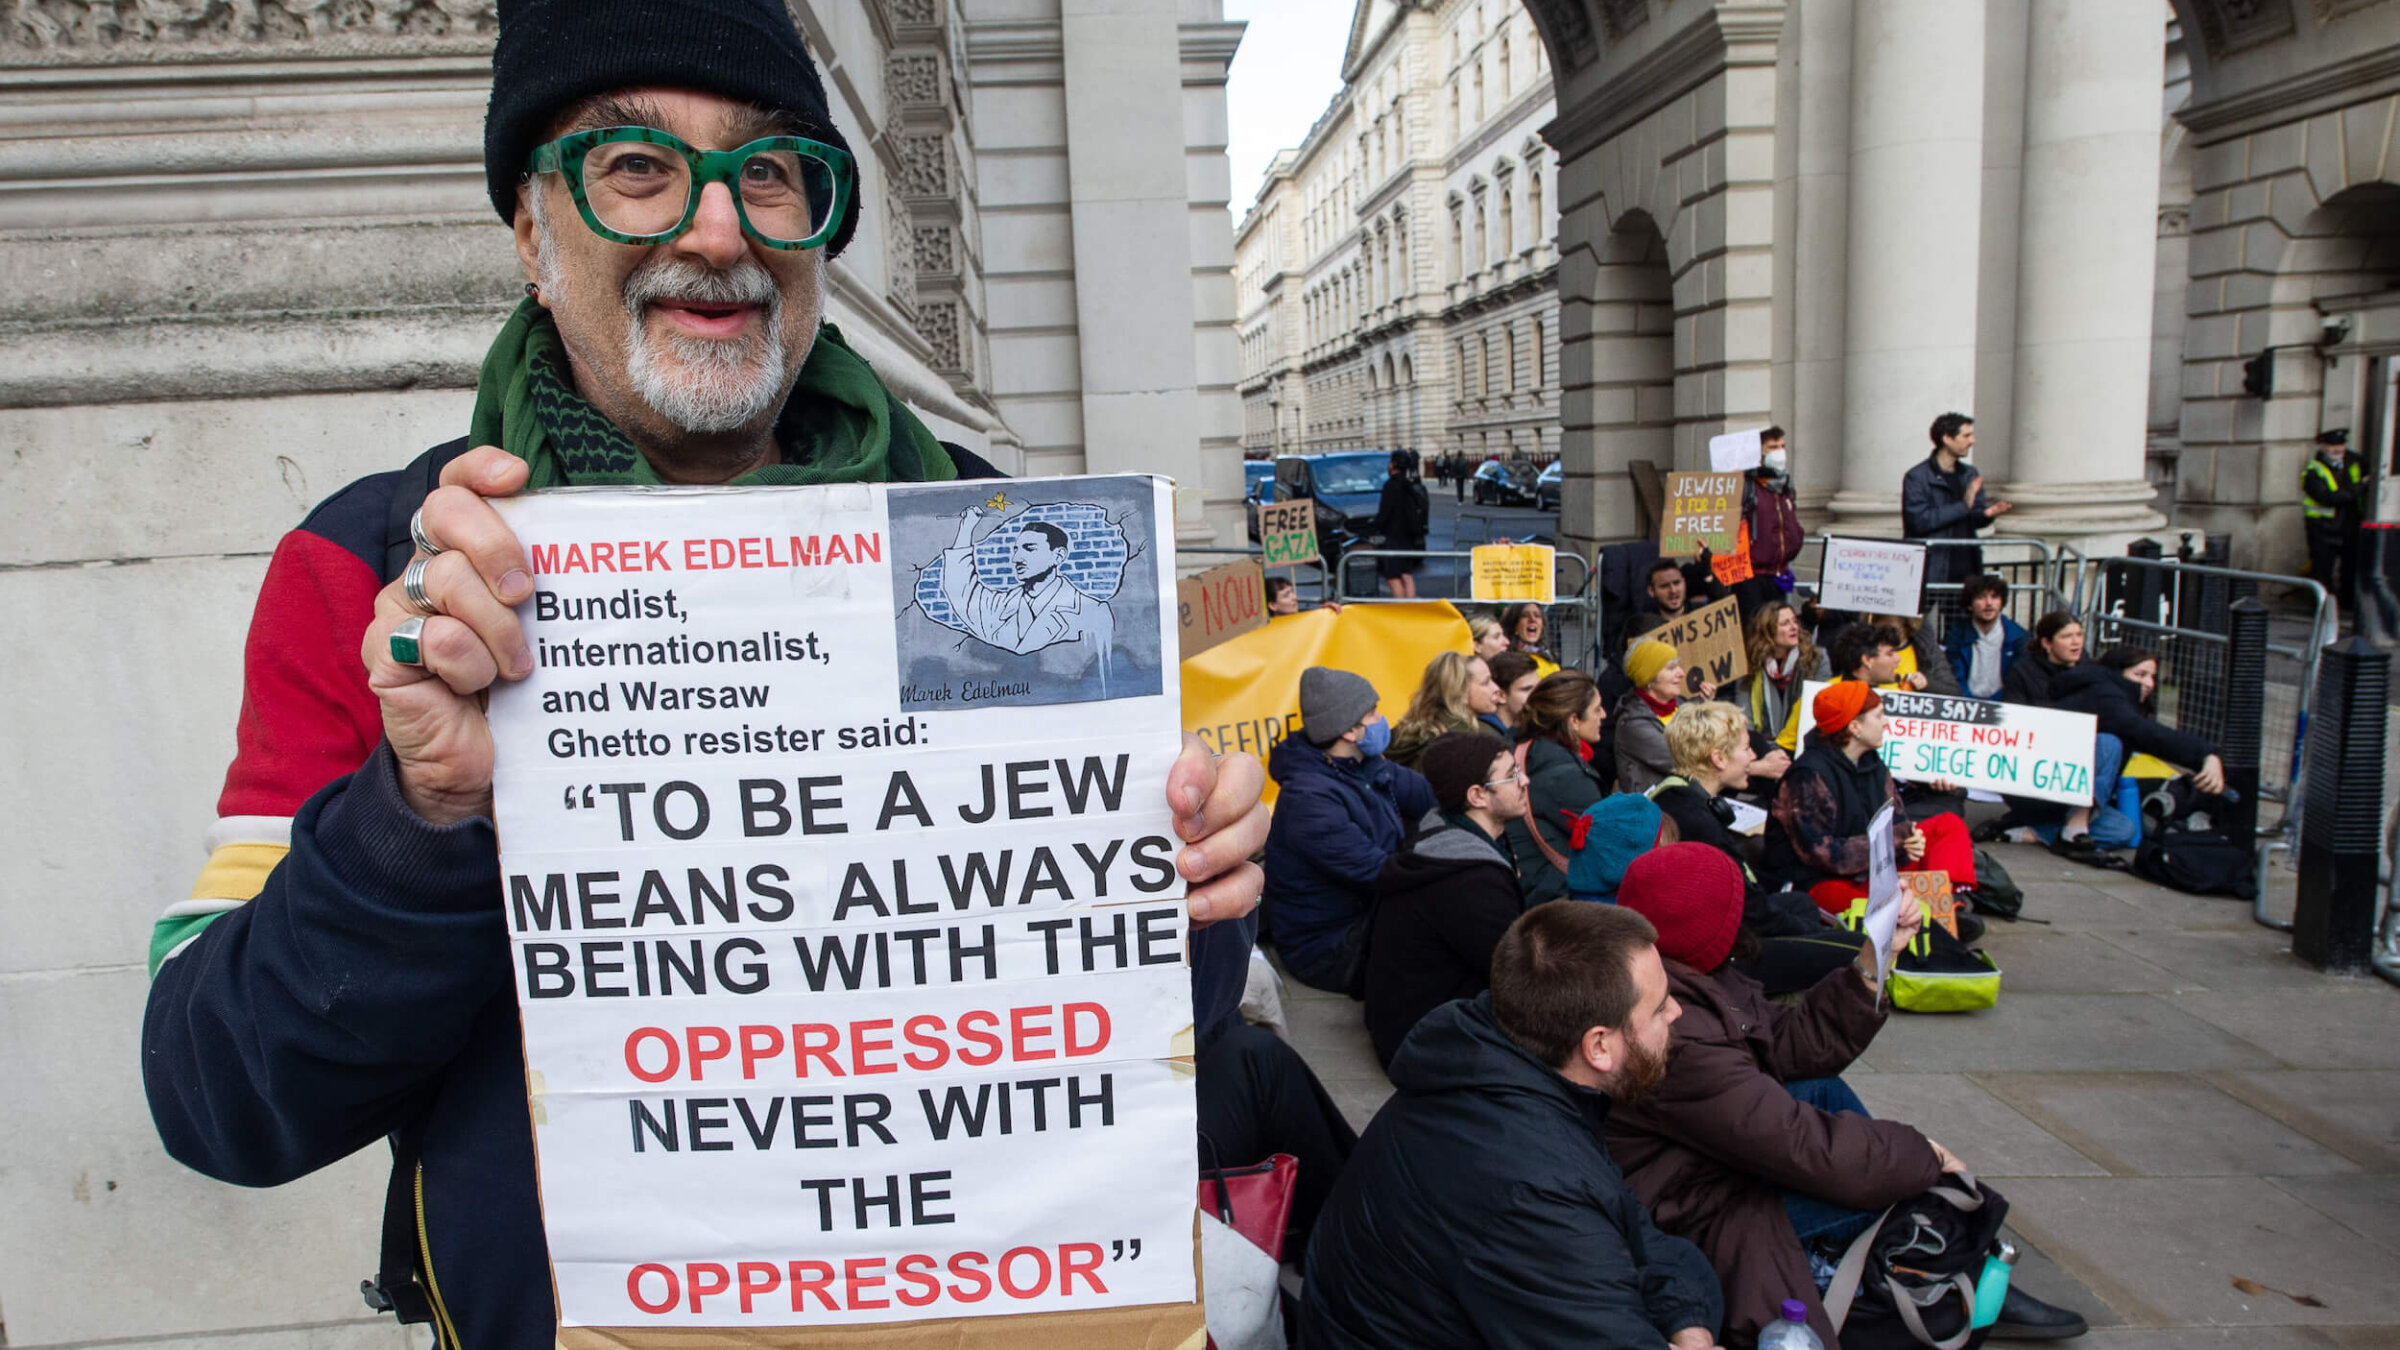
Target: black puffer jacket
x,y
2116,703
1482,1209
1440,907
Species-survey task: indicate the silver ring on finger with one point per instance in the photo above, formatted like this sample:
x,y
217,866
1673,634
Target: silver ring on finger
x,y
408,641
416,533
412,585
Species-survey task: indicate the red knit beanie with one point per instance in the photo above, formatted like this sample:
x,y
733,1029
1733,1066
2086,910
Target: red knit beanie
x,y
1692,894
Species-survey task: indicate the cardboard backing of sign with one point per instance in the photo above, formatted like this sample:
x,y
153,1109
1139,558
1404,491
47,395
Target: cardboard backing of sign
x,y
1709,640
1218,604
1703,511
1287,533
1505,572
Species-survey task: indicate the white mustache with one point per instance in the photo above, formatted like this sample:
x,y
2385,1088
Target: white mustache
x,y
675,279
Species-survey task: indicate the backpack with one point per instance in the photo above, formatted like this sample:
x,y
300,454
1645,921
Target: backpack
x,y
1995,893
2198,862
1928,1275
1936,972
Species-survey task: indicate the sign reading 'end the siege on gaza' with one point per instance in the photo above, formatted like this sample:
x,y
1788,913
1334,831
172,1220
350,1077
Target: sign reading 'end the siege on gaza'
x,y
847,934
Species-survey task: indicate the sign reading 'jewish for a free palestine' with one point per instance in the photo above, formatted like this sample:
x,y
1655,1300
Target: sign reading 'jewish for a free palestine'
x,y
847,934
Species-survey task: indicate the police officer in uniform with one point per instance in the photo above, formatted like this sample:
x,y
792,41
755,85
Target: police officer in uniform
x,y
2332,486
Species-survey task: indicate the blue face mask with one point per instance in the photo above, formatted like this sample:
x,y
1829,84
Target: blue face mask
x,y
1376,739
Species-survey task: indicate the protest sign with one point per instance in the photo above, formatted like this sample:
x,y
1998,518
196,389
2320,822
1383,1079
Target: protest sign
x,y
1709,641
1883,890
1734,568
1287,533
1504,572
1872,576
1932,890
845,925
1244,695
2011,748
1703,510
1220,603
1735,451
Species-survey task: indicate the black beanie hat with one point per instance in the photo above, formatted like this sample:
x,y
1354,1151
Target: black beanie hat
x,y
552,53
1457,760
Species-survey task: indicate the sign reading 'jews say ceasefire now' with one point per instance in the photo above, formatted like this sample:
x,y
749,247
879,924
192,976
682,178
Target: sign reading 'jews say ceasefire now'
x,y
845,924
2013,749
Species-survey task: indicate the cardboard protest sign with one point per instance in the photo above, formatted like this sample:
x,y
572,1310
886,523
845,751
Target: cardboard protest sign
x,y
1709,640
1735,451
1883,889
1245,694
1287,532
1872,576
1734,568
1703,510
1505,572
1220,603
2010,748
845,924
1932,890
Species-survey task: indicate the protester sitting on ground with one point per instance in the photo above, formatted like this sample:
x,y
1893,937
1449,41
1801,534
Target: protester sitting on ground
x,y
1750,1146
1559,731
1868,653
1817,831
1983,648
1782,661
1516,675
1661,688
1282,596
1668,588
1444,900
1616,830
1797,944
2117,690
1481,1207
1339,817
1919,664
1256,1097
2057,647
1527,624
1455,691
1490,638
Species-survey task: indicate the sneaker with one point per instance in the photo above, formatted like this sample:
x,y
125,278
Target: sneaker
x,y
2026,1318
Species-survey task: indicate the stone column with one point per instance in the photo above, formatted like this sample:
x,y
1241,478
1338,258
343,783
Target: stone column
x,y
1916,183
2086,270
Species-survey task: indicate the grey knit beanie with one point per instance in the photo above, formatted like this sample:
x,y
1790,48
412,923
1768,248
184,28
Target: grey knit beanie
x,y
1331,702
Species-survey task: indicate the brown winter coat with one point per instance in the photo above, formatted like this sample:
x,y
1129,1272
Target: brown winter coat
x,y
1711,1151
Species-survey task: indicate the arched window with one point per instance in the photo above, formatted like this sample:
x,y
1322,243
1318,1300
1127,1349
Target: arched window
x,y
1504,70
1483,362
1533,201
1458,241
1483,240
1505,185
1534,352
1457,128
1479,89
1508,359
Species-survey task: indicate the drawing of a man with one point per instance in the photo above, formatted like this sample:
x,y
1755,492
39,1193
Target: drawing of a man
x,y
1042,610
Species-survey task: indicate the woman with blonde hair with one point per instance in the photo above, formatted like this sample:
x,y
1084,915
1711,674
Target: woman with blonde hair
x,y
1456,691
1490,638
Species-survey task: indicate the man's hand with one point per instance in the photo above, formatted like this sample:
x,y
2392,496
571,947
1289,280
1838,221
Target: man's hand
x,y
2211,778
1696,683
1974,489
1912,844
1693,1338
1998,509
433,713
1222,822
1950,1162
1772,764
1915,681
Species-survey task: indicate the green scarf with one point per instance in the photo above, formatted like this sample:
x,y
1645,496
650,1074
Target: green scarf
x,y
839,426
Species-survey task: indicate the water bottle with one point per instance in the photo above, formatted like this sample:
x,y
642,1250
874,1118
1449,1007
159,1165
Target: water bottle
x,y
1791,1333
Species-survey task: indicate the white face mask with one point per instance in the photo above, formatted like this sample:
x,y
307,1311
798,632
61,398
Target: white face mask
x,y
1773,459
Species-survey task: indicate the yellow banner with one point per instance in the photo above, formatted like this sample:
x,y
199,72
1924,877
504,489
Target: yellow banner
x,y
1245,694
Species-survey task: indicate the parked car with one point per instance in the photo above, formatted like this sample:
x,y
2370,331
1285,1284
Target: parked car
x,y
1258,485
1347,488
1498,484
1546,489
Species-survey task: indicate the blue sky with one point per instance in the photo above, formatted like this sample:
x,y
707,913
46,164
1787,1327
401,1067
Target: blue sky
x,y
1288,68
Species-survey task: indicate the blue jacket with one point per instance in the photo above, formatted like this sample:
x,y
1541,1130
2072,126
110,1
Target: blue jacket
x,y
1959,644
1337,821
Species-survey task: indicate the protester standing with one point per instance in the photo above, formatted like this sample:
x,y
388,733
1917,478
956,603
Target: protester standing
x,y
1401,520
1942,497
1443,901
1340,815
1776,538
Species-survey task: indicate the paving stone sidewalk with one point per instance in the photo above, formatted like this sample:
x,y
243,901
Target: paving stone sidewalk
x,y
2198,1135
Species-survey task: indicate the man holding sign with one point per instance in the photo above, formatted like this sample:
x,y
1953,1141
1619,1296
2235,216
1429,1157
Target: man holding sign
x,y
676,183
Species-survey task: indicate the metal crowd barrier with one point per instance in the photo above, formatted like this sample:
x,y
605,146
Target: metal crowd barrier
x,y
1311,581
1574,616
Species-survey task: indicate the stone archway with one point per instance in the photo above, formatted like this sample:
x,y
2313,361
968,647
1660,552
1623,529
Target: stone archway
x,y
1618,342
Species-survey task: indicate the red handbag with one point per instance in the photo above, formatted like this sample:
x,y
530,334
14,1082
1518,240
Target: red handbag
x,y
1254,1201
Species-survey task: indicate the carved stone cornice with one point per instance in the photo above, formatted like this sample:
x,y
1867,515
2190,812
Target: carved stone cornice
x,y
2322,89
1722,37
116,32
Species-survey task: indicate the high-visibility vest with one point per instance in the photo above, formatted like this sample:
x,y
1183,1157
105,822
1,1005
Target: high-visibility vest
x,y
2317,466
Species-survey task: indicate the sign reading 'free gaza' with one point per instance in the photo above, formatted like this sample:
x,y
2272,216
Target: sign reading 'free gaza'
x,y
2010,748
846,929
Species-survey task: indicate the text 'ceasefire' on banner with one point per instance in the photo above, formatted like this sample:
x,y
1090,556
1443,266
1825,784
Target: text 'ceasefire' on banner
x,y
840,878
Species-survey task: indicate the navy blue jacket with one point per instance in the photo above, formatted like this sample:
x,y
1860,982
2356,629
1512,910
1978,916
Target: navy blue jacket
x,y
1933,505
1336,823
1959,645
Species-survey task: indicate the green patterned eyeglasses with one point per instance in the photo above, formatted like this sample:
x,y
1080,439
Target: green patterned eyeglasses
x,y
640,185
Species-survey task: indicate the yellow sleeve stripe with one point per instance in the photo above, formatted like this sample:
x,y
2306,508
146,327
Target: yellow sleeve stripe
x,y
237,871
244,849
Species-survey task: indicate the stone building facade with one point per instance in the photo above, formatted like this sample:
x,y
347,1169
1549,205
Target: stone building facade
x,y
1847,216
1397,271
246,257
